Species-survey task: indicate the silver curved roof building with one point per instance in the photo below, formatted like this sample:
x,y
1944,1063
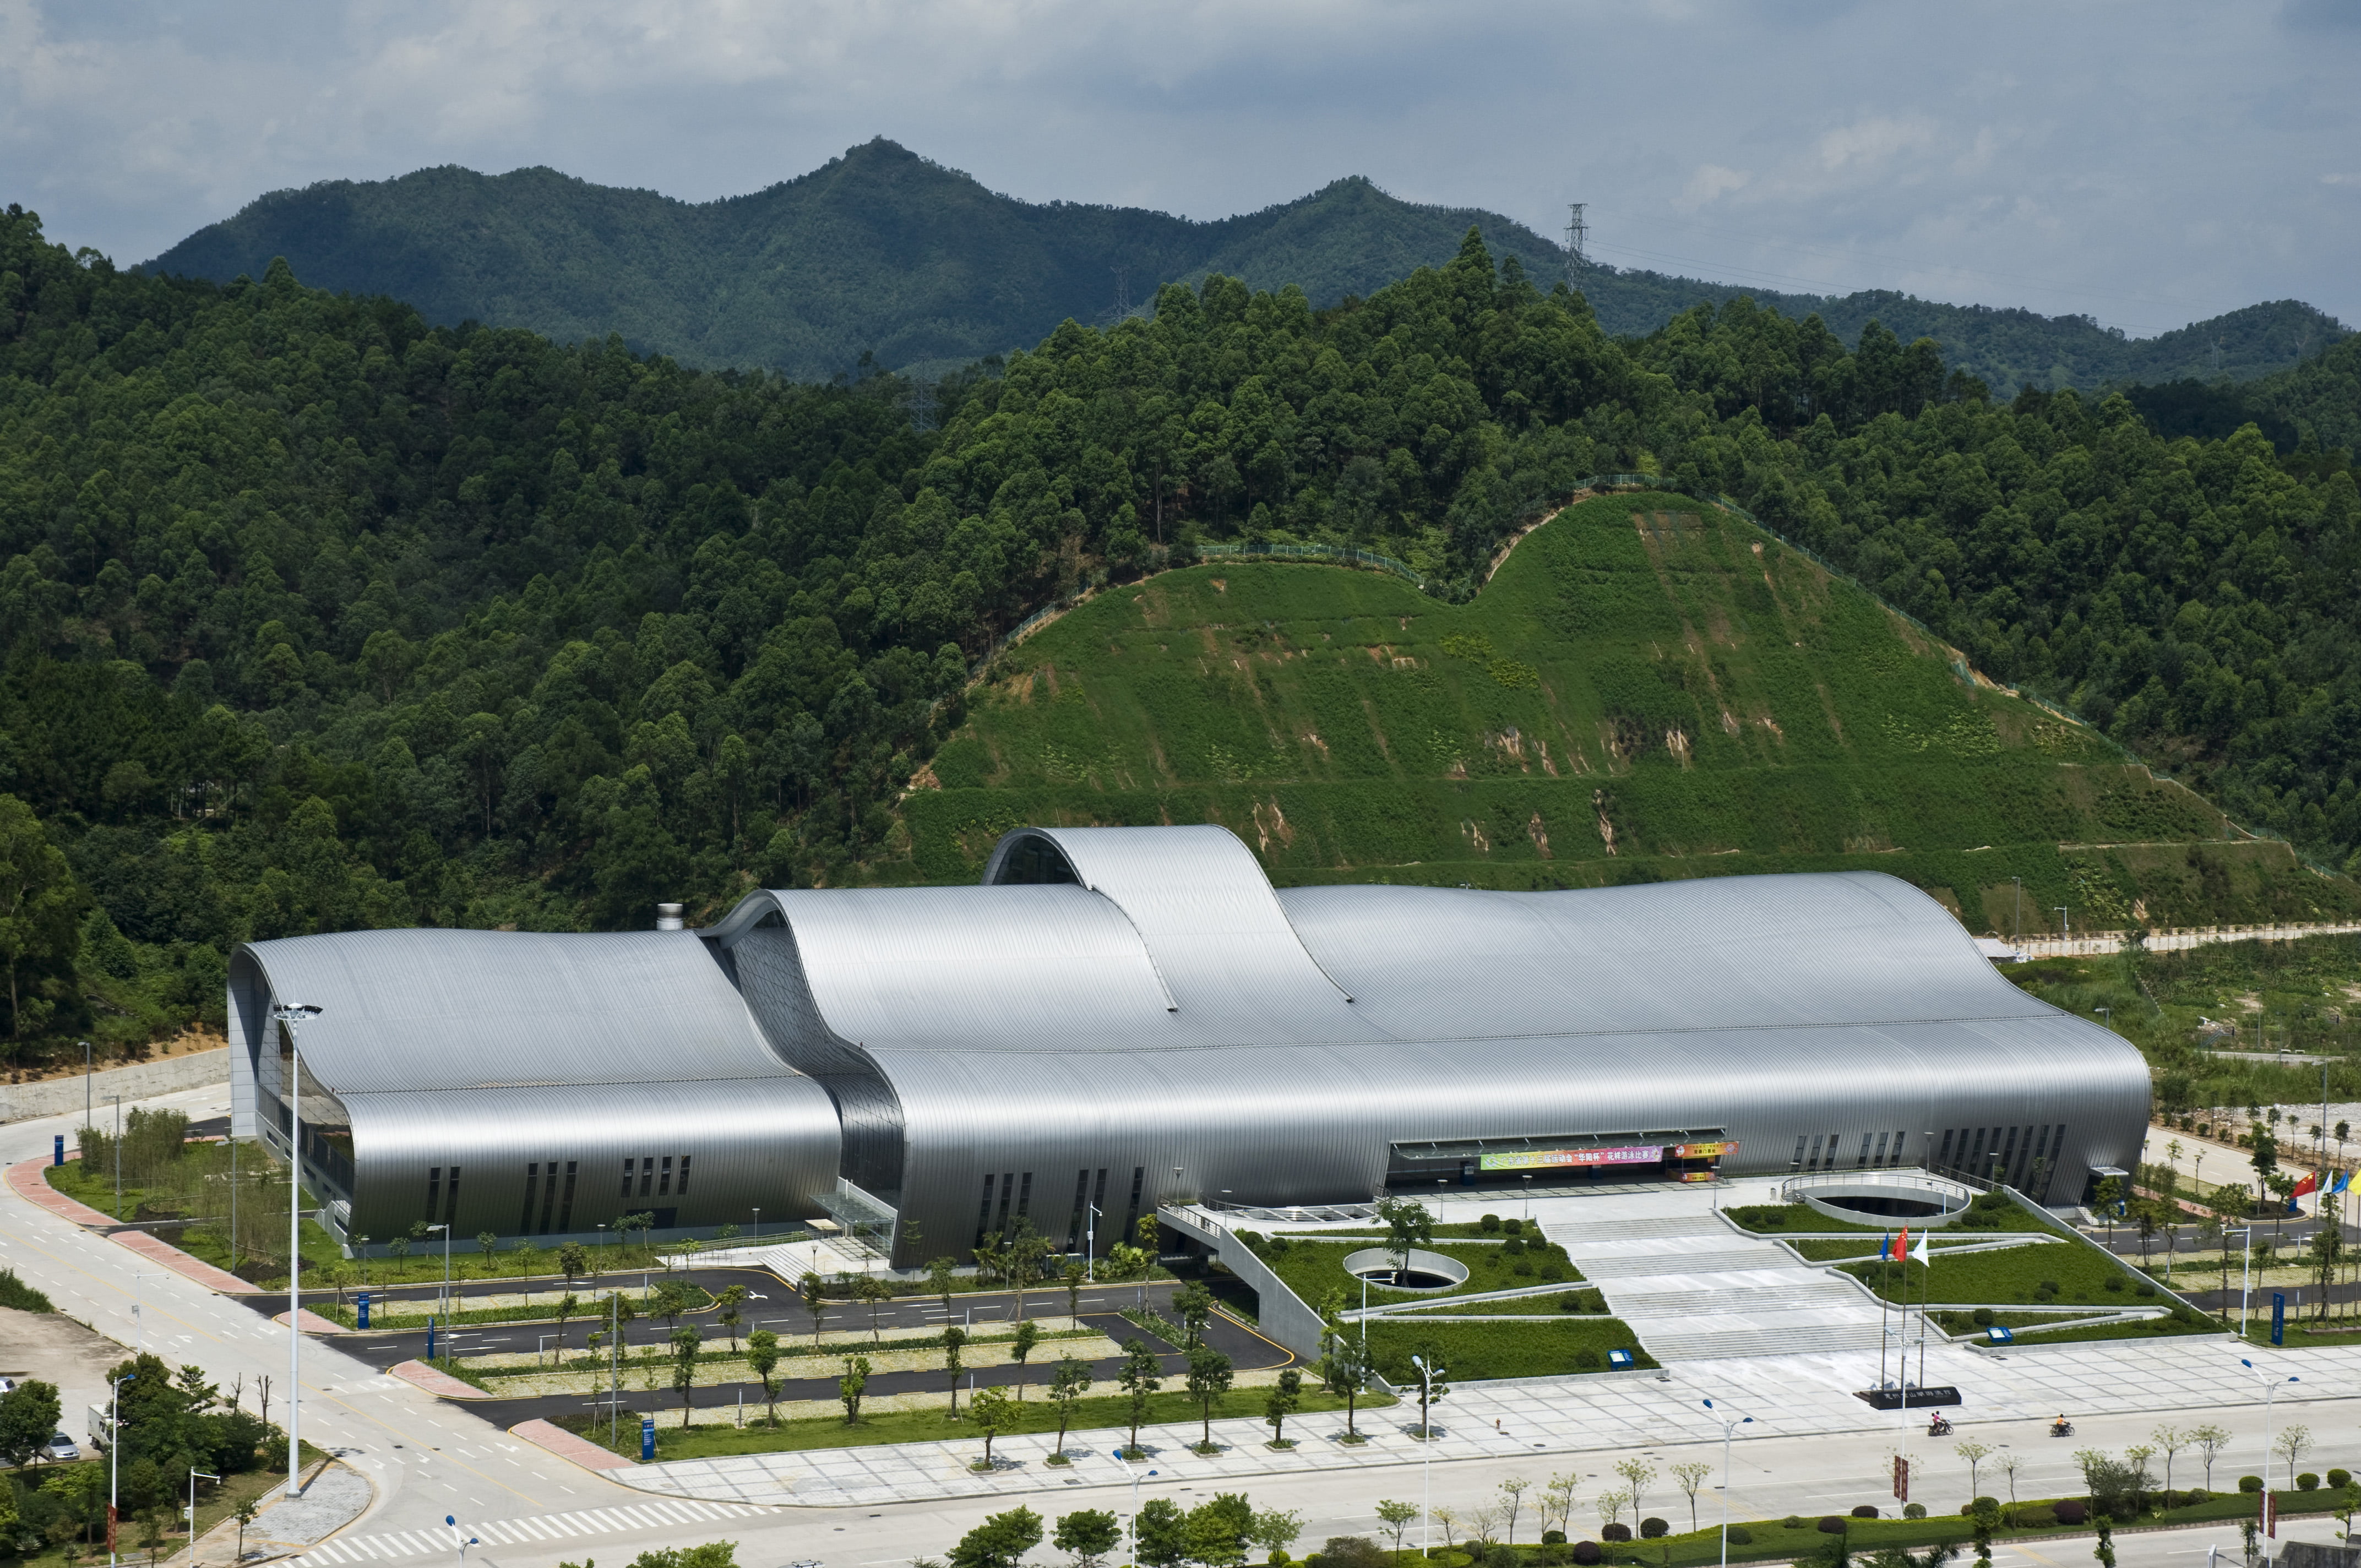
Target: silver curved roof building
x,y
1121,1017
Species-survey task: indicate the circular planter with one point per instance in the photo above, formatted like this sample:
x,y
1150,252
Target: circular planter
x,y
1429,1271
1921,1202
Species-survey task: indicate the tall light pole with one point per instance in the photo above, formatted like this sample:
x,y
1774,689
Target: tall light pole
x,y
113,1453
2246,1234
193,1476
453,1520
1426,1460
293,1017
1131,1525
2270,1386
118,1156
1091,1244
446,1300
1728,1426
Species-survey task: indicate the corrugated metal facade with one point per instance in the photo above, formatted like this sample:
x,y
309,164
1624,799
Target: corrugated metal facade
x,y
1123,1017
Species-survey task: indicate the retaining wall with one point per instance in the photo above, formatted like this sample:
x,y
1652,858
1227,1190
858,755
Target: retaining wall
x,y
140,1080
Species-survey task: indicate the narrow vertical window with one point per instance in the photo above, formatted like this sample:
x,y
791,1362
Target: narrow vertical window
x,y
566,1215
451,1197
1814,1163
983,1210
433,1189
1007,1196
549,1195
1025,1196
1880,1146
664,1180
2007,1155
1131,1213
1081,1198
532,1180
1943,1160
647,1174
1798,1161
683,1175
627,1178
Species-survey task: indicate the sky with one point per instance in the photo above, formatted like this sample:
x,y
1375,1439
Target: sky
x,y
2146,164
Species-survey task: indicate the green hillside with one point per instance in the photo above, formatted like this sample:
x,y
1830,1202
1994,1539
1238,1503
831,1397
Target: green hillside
x,y
884,252
1646,689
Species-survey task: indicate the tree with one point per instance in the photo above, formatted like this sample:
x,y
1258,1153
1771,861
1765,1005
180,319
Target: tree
x,y
2106,1549
1140,1377
1160,1533
487,1243
1407,1224
762,1360
993,1413
1000,1541
1285,1395
2109,1195
668,1301
1209,1377
1021,1259
1691,1474
1028,1334
1073,1280
1193,1304
2209,1439
1216,1530
246,1512
852,1386
40,911
684,1367
1069,1382
29,1414
2327,1250
873,1293
1395,1517
1344,1372
729,1317
954,1337
1275,1530
941,1274
2169,1440
573,1259
2266,1161
813,1290
567,1305
1087,1535
1975,1453
1640,1475
1558,1494
2292,1443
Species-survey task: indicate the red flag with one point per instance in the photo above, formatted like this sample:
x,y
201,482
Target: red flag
x,y
2311,1183
1902,1244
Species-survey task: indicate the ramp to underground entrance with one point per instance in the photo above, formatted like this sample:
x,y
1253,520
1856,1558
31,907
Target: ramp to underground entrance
x,y
1869,1197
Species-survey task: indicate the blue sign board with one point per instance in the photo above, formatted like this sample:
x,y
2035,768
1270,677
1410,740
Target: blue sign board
x,y
430,1339
1619,1358
57,1149
2279,1316
647,1439
2001,1333
363,1299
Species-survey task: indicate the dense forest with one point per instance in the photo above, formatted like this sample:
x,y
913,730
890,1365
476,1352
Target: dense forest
x,y
318,615
886,254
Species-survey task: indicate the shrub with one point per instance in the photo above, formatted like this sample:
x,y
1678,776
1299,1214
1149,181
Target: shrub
x,y
1514,1246
1650,1529
1348,1551
1983,1316
2144,1288
2340,1479
1774,1221
2115,1282
2250,1483
1488,1222
1793,1522
1513,1227
1524,1266
2194,1496
1618,1532
1279,1557
2070,1511
1553,1538
1585,1552
1570,1302
1981,1505
1741,1535
1866,1511
1587,1359
1833,1525
1914,1511
2307,1482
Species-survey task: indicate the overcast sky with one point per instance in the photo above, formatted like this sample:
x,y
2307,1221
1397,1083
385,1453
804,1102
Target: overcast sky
x,y
2148,164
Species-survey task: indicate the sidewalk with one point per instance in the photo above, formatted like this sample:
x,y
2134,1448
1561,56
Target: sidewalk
x,y
25,1180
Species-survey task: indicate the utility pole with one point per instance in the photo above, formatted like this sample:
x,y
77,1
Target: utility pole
x,y
1578,243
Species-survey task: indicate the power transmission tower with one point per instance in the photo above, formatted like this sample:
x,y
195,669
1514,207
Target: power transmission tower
x,y
1577,239
1121,291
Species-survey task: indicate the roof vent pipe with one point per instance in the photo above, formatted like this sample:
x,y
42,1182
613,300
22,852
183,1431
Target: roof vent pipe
x,y
668,917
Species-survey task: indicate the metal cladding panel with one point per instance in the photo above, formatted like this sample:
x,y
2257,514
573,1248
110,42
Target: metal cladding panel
x,y
1218,937
751,1142
977,969
442,1009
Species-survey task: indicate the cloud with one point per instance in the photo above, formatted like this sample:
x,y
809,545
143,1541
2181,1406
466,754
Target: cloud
x,y
2007,151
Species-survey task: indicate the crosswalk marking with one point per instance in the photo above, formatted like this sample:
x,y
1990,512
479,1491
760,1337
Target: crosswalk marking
x,y
654,1513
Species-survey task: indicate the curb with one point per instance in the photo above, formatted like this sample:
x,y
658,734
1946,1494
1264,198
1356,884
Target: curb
x,y
311,1322
442,1384
25,1180
556,1440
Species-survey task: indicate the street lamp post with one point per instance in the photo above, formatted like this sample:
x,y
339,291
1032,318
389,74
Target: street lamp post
x,y
2246,1234
293,1017
118,1156
444,1301
194,1474
113,1453
1426,1462
453,1520
1131,1525
1091,1244
1728,1426
2270,1386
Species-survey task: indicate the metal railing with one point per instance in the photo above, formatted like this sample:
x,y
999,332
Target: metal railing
x,y
1344,554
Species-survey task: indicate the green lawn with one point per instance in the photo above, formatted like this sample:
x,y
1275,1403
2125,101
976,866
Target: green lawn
x,y
590,1312
1097,1421
1547,1306
1314,1269
1474,1352
1780,1219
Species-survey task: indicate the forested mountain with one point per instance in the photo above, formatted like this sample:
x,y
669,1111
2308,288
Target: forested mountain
x,y
882,252
318,615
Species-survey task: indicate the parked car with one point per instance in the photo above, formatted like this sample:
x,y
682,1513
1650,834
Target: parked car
x,y
60,1448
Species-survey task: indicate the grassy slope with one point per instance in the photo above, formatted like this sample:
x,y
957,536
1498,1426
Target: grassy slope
x,y
1352,729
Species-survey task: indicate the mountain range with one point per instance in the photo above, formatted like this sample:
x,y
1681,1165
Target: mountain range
x,y
884,254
